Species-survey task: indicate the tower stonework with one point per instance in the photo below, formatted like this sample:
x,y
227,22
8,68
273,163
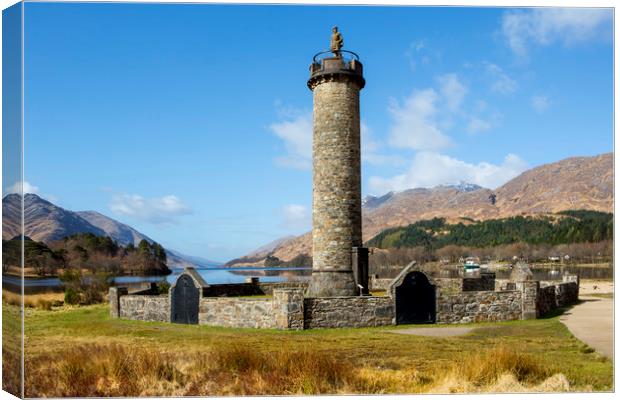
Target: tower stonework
x,y
336,195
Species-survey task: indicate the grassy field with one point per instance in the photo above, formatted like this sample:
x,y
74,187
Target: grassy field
x,y
11,349
81,351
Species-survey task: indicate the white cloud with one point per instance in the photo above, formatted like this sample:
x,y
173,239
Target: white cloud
x,y
155,210
296,132
429,169
17,188
296,216
452,90
372,150
540,103
477,125
543,26
416,54
415,124
502,83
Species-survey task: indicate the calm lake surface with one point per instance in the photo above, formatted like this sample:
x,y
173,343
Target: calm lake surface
x,y
211,275
540,273
239,275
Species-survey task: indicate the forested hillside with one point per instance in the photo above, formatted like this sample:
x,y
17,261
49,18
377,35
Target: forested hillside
x,y
86,251
575,226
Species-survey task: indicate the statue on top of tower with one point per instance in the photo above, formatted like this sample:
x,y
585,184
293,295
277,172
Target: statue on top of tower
x,y
336,42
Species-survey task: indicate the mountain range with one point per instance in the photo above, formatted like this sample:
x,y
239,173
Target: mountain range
x,y
569,184
46,222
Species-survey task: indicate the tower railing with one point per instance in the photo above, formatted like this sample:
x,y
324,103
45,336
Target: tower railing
x,y
323,54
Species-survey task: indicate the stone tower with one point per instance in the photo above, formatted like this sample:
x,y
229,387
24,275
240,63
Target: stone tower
x,y
338,258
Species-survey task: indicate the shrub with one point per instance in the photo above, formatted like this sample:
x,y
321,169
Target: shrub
x,y
71,296
163,287
70,276
91,295
272,261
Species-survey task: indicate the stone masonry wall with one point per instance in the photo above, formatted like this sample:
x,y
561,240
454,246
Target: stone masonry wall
x,y
114,295
379,283
502,285
145,307
268,288
448,286
553,296
486,281
288,308
478,307
566,293
529,290
237,313
348,312
336,188
545,300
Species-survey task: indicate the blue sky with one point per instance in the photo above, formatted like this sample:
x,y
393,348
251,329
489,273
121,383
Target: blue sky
x,y
191,123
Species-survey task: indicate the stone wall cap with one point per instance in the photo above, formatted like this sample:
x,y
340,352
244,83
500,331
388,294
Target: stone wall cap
x,y
238,298
347,297
199,280
400,277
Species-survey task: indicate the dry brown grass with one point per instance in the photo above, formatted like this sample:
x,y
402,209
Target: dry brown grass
x,y
11,370
118,370
84,343
482,371
42,301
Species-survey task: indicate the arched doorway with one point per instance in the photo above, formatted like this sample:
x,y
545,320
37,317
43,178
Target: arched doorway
x,y
184,301
415,300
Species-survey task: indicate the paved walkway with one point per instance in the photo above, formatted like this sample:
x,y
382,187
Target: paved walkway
x,y
592,322
435,332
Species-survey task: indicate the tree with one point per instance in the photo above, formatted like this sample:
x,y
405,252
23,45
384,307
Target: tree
x,y
272,261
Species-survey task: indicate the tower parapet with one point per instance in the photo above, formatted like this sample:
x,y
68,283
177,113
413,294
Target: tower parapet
x,y
328,69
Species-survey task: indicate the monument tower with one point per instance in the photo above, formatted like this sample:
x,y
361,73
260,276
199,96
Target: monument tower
x,y
340,264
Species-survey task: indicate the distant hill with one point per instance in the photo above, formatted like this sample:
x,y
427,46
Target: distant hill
x,y
43,220
192,261
257,257
574,226
46,222
123,234
570,184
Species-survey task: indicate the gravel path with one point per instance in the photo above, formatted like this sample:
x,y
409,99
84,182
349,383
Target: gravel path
x,y
592,322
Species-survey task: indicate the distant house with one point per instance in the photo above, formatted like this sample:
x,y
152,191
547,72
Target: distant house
x,y
554,258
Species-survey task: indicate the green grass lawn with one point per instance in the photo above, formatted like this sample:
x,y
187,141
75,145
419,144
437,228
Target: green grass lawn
x,y
50,334
601,295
